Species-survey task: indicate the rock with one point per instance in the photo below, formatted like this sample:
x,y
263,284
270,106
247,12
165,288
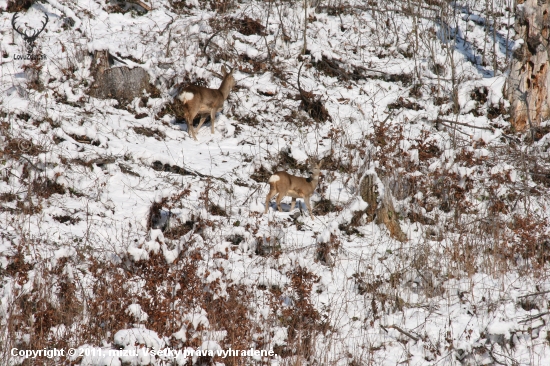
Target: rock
x,y
121,83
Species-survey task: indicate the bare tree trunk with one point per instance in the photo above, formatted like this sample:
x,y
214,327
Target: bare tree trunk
x,y
529,79
381,208
304,50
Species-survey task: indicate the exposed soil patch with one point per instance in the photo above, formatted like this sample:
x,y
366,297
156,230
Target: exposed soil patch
x,y
84,139
66,218
160,167
288,162
216,210
312,104
325,206
17,146
19,5
7,197
247,26
47,188
331,67
125,169
538,133
480,94
179,230
140,115
405,103
149,132
235,239
418,217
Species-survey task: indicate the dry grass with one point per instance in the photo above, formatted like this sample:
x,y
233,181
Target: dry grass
x,y
469,227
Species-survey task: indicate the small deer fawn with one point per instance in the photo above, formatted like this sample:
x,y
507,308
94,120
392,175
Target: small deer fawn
x,y
285,184
198,100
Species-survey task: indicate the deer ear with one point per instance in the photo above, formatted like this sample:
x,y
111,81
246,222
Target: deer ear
x,y
224,71
320,163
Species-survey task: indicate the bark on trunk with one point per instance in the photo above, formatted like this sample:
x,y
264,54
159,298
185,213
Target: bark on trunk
x,y
529,79
381,209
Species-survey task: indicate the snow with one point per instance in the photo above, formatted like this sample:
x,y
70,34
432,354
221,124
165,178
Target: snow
x,y
138,336
373,289
136,311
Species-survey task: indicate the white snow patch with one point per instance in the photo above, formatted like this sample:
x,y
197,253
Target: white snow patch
x,y
138,336
138,313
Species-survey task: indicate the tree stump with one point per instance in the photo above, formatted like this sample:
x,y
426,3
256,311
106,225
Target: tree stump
x,y
120,83
529,79
381,210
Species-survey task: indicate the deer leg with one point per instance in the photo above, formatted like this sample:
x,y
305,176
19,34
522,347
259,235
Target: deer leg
x,y
293,204
212,119
279,198
191,130
308,205
194,131
272,192
189,119
203,118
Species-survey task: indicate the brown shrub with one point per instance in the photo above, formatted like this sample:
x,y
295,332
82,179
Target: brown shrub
x,y
261,175
45,188
301,318
247,26
19,5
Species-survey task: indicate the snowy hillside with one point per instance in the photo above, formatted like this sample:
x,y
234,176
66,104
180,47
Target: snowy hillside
x,y
118,231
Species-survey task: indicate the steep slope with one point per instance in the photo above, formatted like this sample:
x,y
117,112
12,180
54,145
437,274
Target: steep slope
x,y
119,231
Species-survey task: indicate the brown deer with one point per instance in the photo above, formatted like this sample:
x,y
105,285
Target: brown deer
x,y
198,100
285,184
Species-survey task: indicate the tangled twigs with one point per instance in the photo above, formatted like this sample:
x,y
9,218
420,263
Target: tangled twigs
x,y
313,106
